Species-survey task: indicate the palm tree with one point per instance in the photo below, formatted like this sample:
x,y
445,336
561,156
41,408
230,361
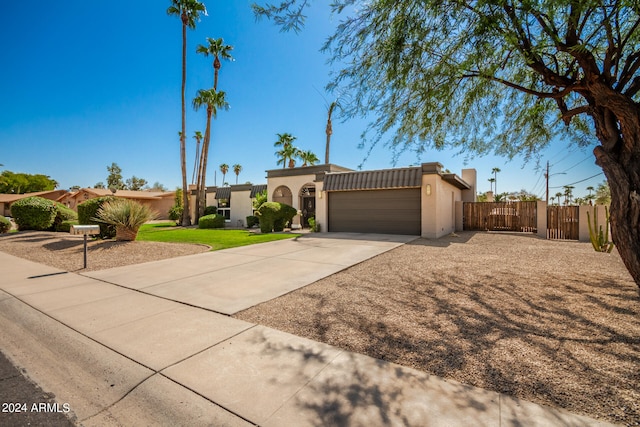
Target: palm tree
x,y
491,181
558,196
590,189
568,193
237,169
495,178
188,11
308,157
329,130
214,101
287,155
224,168
552,199
198,137
218,50
285,140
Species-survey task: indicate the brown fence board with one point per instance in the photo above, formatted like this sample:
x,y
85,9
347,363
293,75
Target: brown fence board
x,y
500,216
562,222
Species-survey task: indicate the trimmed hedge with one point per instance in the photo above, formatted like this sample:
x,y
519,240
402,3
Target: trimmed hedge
x,y
63,214
252,220
65,226
5,225
34,213
274,216
210,210
211,221
88,210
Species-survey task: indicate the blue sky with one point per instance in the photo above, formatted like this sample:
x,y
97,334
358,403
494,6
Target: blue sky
x,y
86,84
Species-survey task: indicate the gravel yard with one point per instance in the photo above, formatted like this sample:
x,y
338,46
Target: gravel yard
x,y
548,321
64,251
553,322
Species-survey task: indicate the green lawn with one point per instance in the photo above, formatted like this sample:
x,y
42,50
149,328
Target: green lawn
x,y
216,238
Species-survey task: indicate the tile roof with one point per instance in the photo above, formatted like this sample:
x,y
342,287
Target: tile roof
x,y
256,189
128,194
223,193
374,180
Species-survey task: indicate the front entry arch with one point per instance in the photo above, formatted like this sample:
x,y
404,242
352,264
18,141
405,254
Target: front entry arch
x,y
307,203
283,194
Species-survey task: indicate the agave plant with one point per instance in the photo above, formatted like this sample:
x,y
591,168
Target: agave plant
x,y
126,215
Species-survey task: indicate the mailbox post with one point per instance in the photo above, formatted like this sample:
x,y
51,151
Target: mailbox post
x,y
85,230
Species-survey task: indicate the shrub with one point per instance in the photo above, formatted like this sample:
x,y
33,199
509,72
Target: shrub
x,y
252,220
175,214
5,225
210,210
63,213
126,215
33,213
65,226
88,210
274,216
211,221
315,227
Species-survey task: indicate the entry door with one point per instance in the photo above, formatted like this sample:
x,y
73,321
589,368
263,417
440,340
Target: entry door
x,y
308,209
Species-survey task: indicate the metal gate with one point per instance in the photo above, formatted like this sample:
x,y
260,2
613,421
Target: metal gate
x,y
500,216
563,222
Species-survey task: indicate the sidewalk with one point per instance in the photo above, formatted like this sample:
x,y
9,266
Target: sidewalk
x,y
120,356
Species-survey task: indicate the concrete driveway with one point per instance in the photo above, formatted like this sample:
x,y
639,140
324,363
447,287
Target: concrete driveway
x,y
233,280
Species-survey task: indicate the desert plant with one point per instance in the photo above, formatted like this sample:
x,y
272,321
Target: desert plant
x,y
211,210
261,197
33,213
315,227
89,209
274,216
5,225
599,239
126,215
211,221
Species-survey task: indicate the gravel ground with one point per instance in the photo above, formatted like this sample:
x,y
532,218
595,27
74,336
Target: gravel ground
x,y
553,322
64,251
548,321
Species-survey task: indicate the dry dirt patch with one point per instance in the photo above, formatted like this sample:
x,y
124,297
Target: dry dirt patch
x,y
64,251
548,321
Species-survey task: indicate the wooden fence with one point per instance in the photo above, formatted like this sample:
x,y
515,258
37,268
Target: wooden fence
x,y
500,216
562,222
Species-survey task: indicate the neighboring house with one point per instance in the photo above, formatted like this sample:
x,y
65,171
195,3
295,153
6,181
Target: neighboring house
x,y
421,200
159,201
234,202
6,200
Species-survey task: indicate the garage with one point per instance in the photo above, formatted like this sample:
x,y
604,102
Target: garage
x,y
389,211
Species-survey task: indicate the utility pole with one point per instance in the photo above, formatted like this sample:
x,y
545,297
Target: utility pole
x,y
546,175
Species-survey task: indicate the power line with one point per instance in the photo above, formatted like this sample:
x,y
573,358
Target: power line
x,y
581,161
578,182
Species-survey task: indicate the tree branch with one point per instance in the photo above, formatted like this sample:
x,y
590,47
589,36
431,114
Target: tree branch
x,y
547,95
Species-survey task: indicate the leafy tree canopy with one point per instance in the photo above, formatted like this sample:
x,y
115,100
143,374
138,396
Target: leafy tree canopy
x,y
20,183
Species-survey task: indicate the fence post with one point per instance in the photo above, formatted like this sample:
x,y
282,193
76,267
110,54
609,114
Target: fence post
x,y
541,219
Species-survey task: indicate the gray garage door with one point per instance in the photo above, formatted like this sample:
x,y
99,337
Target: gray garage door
x,y
375,211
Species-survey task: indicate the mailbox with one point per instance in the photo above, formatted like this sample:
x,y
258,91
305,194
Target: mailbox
x,y
85,230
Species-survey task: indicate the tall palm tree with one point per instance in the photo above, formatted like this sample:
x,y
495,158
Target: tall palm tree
x,y
308,157
198,137
224,168
237,169
495,178
568,193
288,151
214,101
552,199
189,12
558,196
218,50
491,181
329,130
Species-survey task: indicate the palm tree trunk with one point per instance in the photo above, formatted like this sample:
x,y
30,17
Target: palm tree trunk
x,y
186,215
205,152
196,162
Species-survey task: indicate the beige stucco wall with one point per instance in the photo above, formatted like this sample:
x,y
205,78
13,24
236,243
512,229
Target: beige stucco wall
x,y
241,207
439,208
541,219
295,184
470,176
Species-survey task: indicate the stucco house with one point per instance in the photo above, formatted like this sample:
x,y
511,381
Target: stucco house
x,y
234,202
6,200
421,200
159,201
